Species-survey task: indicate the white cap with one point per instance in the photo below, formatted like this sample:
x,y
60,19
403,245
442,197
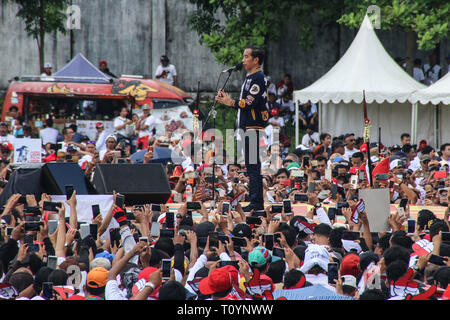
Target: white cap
x,y
48,65
395,163
349,280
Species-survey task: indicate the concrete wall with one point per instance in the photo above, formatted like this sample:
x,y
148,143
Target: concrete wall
x,y
132,34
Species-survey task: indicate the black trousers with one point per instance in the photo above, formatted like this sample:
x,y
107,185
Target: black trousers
x,y
253,164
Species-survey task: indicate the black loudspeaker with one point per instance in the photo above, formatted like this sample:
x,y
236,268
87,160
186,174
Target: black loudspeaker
x,y
23,181
139,183
55,175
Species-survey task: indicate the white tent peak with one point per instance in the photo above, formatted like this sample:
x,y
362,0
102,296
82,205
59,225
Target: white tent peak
x,y
438,92
365,66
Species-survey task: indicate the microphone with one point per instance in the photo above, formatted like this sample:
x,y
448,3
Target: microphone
x,y
236,67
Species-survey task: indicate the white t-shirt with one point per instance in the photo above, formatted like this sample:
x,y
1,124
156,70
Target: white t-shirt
x,y
118,121
101,141
431,76
310,141
289,105
418,74
48,135
348,153
113,292
170,73
150,121
280,121
415,164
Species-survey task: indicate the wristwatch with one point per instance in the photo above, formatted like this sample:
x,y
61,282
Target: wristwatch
x,y
151,285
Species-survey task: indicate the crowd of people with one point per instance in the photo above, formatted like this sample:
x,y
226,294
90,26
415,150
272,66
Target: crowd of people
x,y
203,245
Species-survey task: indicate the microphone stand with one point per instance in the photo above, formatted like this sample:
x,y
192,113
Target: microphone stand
x,y
213,113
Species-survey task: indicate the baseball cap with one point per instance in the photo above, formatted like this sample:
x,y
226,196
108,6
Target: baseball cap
x,y
48,65
350,265
145,107
219,280
395,163
425,157
349,280
242,230
395,147
99,125
293,165
105,254
348,135
338,159
103,62
363,147
96,278
274,112
259,255
7,146
315,255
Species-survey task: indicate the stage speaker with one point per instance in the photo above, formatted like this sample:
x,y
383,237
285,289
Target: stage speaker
x,y
55,175
139,183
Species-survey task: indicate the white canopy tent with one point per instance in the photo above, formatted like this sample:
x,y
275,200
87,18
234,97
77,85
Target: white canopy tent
x,y
366,66
437,94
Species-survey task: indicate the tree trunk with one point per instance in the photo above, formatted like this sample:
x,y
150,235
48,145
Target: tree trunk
x,y
410,51
41,38
41,50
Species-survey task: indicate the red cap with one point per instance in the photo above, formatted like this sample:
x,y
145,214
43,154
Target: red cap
x,y
146,273
350,265
99,124
219,280
363,147
177,172
274,112
103,62
7,146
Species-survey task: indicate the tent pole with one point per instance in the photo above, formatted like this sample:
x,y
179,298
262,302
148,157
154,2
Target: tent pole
x,y
436,126
414,123
296,124
320,117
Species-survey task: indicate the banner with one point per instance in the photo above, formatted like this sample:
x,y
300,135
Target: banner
x,y
87,127
84,208
27,150
377,202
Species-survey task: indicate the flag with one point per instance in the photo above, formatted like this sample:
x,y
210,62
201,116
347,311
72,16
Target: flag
x,y
382,167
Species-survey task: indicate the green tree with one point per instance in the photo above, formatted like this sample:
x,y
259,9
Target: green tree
x,y
42,17
425,22
227,26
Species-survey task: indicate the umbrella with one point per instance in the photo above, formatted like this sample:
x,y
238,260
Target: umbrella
x,y
160,155
314,292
